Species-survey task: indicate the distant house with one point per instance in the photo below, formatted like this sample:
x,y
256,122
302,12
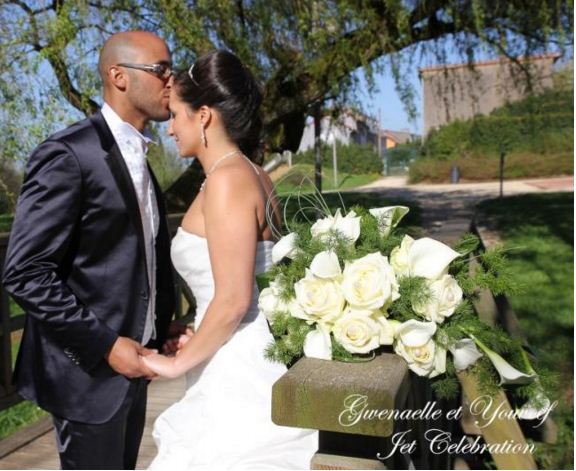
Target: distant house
x,y
353,127
391,139
460,92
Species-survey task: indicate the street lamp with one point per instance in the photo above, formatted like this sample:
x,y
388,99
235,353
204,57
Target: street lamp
x,y
331,138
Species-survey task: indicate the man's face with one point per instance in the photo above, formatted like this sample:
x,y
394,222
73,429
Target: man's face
x,y
149,93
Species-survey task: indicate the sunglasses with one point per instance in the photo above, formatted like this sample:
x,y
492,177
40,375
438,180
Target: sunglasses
x,y
162,70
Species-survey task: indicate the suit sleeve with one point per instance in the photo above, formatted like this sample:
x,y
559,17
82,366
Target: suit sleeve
x,y
46,218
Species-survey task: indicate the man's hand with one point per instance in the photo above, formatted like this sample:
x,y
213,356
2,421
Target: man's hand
x,y
124,358
178,335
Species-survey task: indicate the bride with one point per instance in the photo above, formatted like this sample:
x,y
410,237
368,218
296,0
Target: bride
x,y
224,418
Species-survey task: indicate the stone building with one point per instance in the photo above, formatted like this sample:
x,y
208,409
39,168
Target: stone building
x,y
452,92
351,127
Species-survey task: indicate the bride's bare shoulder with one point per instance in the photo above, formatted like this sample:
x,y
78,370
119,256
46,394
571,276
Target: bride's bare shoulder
x,y
231,181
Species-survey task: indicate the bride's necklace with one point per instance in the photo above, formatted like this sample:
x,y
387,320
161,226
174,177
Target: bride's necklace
x,y
215,165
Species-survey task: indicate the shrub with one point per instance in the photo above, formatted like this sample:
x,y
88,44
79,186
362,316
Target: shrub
x,y
539,124
352,158
477,168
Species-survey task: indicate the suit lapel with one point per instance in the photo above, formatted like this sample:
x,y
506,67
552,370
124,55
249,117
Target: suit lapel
x,y
121,176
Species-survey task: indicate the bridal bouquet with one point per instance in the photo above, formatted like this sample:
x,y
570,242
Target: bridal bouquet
x,y
344,287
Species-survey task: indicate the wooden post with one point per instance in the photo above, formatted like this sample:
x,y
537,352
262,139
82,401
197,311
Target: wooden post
x,y
501,430
317,394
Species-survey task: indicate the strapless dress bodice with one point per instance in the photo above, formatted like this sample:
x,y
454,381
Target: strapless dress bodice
x,y
191,260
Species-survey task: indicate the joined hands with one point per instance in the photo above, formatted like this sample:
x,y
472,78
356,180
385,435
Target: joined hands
x,y
165,365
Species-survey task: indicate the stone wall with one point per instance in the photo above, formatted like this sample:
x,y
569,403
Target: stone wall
x,y
459,92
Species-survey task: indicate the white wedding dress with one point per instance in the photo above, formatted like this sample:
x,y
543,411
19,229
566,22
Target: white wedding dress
x,y
224,419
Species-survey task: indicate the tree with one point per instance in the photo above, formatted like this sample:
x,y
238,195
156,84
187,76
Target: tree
x,y
305,52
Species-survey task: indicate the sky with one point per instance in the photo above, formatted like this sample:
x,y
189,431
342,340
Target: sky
x,y
386,103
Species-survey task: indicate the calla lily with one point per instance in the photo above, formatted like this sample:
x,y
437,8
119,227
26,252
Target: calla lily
x,y
318,343
430,258
285,247
388,217
326,265
464,353
508,374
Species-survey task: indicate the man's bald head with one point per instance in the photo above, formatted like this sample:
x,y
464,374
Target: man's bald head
x,y
135,91
123,47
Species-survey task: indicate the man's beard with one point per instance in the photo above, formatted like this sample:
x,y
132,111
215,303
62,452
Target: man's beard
x,y
153,110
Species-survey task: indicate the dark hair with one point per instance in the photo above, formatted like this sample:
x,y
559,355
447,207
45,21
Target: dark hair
x,y
219,80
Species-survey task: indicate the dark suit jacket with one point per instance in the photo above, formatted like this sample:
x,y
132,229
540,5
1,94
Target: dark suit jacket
x,y
76,264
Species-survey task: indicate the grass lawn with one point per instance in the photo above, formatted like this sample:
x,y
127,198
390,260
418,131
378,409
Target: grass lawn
x,y
542,226
291,181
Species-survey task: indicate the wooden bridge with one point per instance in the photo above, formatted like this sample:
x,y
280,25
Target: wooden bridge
x,y
36,448
40,453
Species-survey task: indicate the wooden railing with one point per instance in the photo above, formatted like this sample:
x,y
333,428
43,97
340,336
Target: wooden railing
x,y
11,325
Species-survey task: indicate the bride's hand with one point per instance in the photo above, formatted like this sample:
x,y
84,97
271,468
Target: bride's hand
x,y
178,338
161,365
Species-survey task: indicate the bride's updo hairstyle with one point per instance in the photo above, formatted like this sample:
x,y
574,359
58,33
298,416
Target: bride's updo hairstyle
x,y
219,80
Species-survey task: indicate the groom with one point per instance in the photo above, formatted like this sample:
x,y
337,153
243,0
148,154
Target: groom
x,y
88,260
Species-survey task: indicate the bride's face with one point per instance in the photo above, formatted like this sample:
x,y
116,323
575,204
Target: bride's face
x,y
184,126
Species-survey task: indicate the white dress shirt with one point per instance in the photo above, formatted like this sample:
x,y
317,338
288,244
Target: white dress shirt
x,y
133,147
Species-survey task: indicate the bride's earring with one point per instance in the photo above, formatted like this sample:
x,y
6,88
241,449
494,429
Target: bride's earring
x,y
202,134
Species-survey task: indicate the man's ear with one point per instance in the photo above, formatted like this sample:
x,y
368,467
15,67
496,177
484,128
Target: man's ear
x,y
117,77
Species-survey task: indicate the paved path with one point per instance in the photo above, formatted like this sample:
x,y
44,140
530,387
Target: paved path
x,y
449,208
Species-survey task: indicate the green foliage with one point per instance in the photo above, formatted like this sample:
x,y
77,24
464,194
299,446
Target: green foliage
x,y
18,416
351,158
289,334
518,126
413,290
447,386
536,134
6,222
486,167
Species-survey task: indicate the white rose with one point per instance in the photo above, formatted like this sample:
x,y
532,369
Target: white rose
x,y
444,299
348,226
427,258
269,301
388,217
320,299
285,247
356,331
326,265
369,282
415,344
